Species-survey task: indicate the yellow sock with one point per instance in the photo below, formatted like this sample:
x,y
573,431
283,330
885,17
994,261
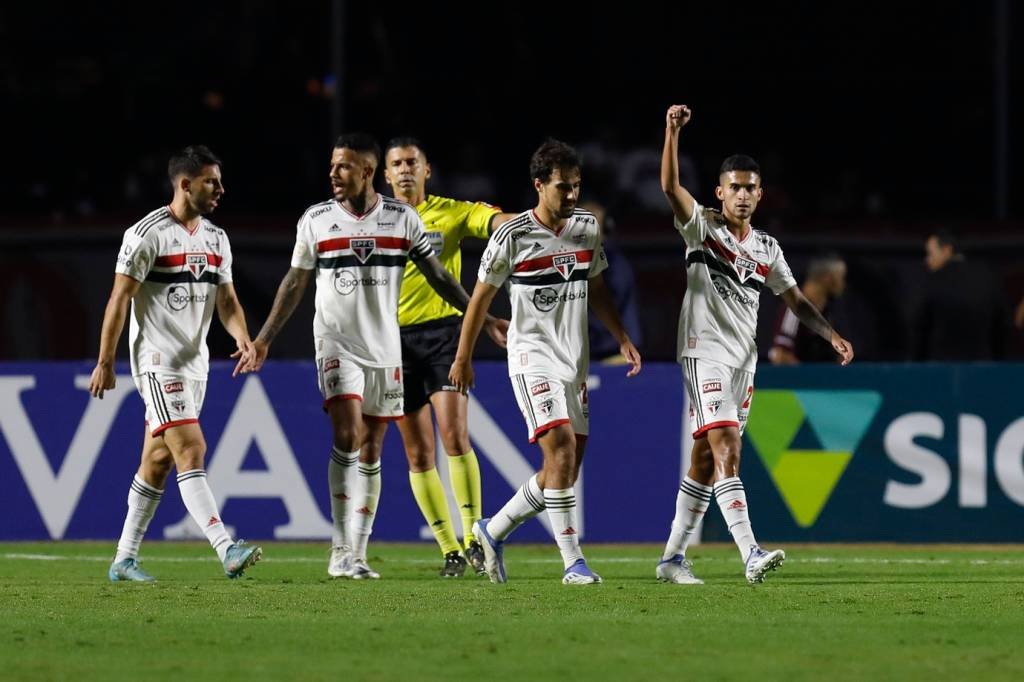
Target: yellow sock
x,y
464,471
429,494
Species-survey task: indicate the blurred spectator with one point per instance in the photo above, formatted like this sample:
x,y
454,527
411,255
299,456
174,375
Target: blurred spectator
x,y
1018,317
622,284
793,343
962,314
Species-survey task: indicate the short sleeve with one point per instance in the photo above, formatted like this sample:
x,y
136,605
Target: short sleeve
x,y
780,277
226,261
695,230
478,220
137,255
496,263
304,253
419,245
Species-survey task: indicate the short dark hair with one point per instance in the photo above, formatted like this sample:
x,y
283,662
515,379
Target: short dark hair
x,y
553,154
359,142
946,237
739,162
190,161
823,263
405,141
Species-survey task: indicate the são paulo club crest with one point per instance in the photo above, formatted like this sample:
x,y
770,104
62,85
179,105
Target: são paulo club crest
x,y
565,264
196,264
363,248
745,267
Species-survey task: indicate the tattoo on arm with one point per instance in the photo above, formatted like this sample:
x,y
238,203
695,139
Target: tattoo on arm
x,y
444,283
812,319
288,296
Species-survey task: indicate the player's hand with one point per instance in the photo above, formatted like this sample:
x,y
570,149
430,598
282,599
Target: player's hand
x,y
497,329
461,375
677,116
256,358
632,356
844,348
246,355
103,379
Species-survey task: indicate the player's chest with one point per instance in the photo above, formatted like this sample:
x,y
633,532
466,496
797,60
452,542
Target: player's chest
x,y
192,254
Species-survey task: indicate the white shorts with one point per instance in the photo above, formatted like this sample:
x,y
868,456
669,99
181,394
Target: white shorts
x,y
547,403
379,388
719,395
171,400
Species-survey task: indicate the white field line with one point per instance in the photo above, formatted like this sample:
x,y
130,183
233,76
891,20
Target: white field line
x,y
14,556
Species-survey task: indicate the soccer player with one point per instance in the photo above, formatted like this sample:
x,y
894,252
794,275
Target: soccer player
x,y
430,334
174,267
357,244
728,262
552,258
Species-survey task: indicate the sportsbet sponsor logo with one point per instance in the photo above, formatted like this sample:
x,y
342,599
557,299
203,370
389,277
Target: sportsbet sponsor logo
x,y
837,420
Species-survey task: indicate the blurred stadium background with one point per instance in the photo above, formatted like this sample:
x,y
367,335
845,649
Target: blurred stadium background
x,y
876,125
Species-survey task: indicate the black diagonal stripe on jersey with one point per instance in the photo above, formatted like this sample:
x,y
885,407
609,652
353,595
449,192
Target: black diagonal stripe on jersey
x,y
505,230
146,223
351,261
714,264
182,277
553,278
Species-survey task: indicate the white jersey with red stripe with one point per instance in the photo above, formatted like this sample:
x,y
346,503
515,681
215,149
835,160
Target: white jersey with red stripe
x,y
548,273
179,271
724,278
359,262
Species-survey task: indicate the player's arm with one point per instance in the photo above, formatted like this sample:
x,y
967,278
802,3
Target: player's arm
x,y
103,378
681,201
289,293
499,219
461,373
232,316
603,305
449,288
816,322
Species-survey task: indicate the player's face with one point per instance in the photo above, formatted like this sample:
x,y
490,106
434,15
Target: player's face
x,y
351,172
561,192
739,192
936,255
406,170
204,191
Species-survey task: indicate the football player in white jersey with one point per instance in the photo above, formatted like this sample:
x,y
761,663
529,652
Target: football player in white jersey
x,y
174,267
552,259
727,264
356,246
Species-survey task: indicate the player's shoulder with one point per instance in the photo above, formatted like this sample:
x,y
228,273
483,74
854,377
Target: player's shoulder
x,y
584,217
151,224
515,229
392,205
319,209
764,239
712,216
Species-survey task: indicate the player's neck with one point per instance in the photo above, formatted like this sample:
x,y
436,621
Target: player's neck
x,y
549,219
361,203
184,213
739,227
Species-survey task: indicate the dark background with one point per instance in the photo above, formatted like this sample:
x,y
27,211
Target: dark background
x,y
874,124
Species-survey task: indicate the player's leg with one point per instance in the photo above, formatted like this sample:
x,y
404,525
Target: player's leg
x,y
417,430
382,403
188,447
563,448
341,384
144,496
451,410
692,503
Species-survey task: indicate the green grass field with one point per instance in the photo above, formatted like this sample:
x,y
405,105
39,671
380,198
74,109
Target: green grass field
x,y
832,612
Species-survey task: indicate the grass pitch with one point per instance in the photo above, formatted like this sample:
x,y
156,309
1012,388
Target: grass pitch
x,y
832,612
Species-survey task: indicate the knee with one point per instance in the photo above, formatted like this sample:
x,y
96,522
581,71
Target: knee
x,y
346,438
192,456
454,439
420,456
702,467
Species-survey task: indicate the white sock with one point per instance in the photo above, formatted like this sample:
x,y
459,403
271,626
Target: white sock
x,y
692,501
341,479
366,507
524,505
732,500
198,499
561,506
142,502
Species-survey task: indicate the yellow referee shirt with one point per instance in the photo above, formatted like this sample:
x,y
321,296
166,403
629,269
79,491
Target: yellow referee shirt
x,y
447,222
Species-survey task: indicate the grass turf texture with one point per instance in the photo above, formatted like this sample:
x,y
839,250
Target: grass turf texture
x,y
837,612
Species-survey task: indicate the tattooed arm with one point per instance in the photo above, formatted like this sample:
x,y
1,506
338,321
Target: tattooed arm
x,y
289,293
813,320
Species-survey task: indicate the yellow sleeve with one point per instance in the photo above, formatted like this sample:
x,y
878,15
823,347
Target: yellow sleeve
x,y
478,219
